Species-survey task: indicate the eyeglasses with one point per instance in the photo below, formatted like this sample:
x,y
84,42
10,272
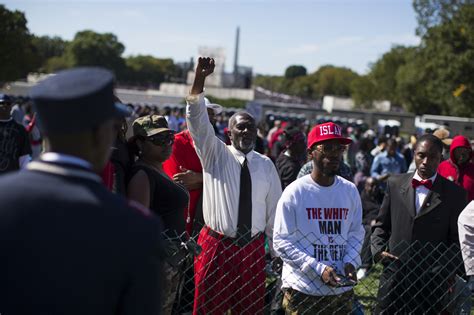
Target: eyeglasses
x,y
166,139
331,148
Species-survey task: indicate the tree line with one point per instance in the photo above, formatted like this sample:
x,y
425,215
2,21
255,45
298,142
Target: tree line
x,y
22,52
435,77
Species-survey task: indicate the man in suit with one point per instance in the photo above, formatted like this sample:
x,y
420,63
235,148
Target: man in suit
x,y
416,237
69,246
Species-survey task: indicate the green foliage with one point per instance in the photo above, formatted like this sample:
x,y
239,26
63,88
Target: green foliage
x,y
16,55
384,72
148,70
327,80
363,91
89,48
430,13
332,80
231,102
438,78
273,83
448,54
295,71
46,48
55,64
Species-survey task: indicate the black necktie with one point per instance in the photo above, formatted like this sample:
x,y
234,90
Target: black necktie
x,y
244,225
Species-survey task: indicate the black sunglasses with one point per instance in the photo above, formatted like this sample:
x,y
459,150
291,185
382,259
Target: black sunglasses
x,y
330,148
162,139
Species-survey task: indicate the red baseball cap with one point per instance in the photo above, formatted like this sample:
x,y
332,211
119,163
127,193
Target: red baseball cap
x,y
326,131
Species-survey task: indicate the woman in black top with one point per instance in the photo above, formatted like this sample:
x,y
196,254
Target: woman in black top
x,y
152,143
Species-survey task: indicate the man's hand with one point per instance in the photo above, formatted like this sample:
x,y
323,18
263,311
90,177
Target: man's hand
x,y
329,276
204,68
350,271
191,180
385,257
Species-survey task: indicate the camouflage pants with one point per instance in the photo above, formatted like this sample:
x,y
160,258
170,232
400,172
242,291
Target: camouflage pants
x,y
170,285
297,303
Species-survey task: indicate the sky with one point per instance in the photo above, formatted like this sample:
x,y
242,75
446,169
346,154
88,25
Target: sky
x,y
274,34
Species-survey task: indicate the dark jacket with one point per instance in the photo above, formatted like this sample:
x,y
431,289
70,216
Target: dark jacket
x,y
426,244
69,246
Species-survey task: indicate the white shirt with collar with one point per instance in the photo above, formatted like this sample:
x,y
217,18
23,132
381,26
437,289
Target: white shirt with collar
x,y
65,159
221,177
421,192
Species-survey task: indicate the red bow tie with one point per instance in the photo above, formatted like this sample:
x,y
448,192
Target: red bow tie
x,y
427,183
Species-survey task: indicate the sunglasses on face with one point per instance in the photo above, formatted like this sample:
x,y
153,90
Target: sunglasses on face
x,y
166,139
330,148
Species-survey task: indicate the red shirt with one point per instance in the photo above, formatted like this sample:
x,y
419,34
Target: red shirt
x,y
185,155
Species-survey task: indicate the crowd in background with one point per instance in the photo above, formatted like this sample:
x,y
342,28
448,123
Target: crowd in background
x,y
371,158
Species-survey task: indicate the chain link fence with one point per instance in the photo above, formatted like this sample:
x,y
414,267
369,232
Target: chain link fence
x,y
425,278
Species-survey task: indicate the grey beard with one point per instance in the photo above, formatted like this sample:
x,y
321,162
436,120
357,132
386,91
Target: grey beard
x,y
241,146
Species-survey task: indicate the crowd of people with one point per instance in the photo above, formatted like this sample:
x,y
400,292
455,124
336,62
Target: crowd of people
x,y
126,206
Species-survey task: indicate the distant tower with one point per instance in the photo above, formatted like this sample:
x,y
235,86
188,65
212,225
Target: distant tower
x,y
236,56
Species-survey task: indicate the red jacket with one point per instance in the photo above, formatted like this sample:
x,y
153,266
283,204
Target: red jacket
x,y
185,155
463,175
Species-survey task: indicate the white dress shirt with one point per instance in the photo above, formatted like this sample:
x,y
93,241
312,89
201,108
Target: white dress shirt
x,y
65,159
221,177
56,167
421,191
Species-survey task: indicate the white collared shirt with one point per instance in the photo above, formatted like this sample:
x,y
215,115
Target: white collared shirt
x,y
221,175
421,191
65,159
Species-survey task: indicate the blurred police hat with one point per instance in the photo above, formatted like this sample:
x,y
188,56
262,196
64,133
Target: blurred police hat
x,y
5,99
76,100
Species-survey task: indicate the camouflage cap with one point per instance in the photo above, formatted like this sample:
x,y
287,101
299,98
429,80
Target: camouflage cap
x,y
150,125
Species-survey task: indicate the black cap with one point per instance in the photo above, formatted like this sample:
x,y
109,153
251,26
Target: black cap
x,y
5,99
76,100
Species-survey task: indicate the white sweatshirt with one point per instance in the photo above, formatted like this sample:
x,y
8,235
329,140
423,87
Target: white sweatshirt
x,y
315,227
466,237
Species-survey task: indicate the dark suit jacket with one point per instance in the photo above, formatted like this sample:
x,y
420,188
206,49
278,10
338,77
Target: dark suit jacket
x,y
69,246
425,242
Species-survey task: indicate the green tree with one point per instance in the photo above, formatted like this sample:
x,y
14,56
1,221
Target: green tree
x,y
438,77
363,91
89,48
46,48
448,54
295,71
384,72
16,56
272,83
411,90
55,64
229,102
148,70
304,86
331,80
430,13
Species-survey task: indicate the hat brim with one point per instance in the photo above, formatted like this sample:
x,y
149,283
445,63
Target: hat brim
x,y
447,141
341,140
122,110
157,131
215,107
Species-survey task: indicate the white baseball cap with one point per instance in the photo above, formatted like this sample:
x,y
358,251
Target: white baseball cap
x,y
215,107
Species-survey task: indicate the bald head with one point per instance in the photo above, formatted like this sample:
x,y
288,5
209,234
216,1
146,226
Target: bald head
x,y
242,131
233,118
